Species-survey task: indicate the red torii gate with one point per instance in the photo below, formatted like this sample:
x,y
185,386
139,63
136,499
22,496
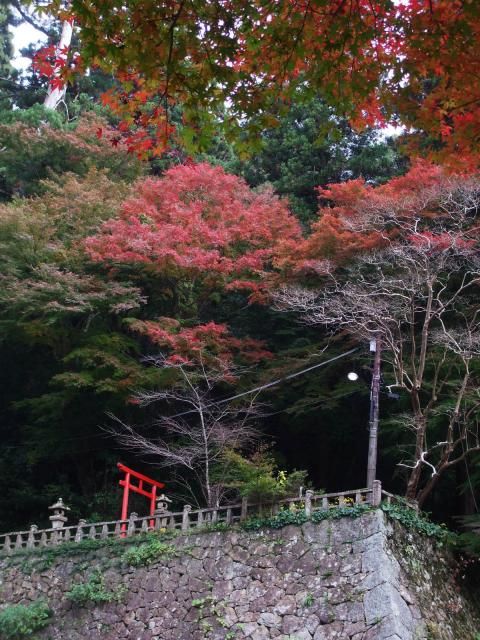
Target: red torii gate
x,y
137,488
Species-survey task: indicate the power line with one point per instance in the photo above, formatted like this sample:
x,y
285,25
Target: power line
x,y
273,382
262,387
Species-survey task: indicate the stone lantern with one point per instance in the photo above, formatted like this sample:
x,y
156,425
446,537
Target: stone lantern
x,y
58,517
162,505
161,512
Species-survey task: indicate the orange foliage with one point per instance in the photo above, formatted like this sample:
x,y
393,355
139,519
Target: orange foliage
x,y
355,217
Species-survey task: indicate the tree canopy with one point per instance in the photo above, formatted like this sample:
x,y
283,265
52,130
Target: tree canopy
x,y
110,265
400,263
412,62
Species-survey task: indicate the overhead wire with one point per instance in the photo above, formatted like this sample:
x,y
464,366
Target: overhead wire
x,y
257,389
262,387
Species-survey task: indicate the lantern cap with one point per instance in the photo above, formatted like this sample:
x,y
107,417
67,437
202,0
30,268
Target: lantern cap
x,y
163,498
59,504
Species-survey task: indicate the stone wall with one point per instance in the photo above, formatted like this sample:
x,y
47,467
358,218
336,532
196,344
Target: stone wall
x,y
348,579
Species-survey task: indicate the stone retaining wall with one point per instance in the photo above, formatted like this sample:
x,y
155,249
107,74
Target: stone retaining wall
x,y
347,579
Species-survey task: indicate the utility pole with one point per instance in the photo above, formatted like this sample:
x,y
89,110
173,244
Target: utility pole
x,y
376,347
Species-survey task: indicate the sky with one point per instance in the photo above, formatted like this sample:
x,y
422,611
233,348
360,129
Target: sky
x,y
22,37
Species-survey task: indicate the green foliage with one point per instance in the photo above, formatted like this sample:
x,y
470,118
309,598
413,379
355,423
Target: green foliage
x,y
35,116
8,75
417,522
199,603
311,148
212,527
298,517
469,541
259,479
309,600
6,48
36,145
94,590
42,558
149,552
335,513
21,621
278,521
211,614
70,353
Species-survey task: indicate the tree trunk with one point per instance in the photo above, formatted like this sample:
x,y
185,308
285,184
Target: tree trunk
x,y
55,94
427,490
416,473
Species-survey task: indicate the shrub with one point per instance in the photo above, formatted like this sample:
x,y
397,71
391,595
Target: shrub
x,y
417,522
20,621
340,512
298,517
259,478
94,590
281,519
148,552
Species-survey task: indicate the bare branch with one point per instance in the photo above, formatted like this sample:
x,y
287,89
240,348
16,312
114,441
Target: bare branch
x,y
419,294
197,441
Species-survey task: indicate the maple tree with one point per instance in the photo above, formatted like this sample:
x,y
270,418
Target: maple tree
x,y
410,271
337,236
412,62
209,344
199,227
197,219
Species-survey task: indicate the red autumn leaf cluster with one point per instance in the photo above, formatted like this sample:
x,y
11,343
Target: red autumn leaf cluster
x,y
439,242
355,217
57,64
210,343
197,219
412,62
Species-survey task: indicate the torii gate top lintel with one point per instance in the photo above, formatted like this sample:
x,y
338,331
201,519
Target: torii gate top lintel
x,y
149,492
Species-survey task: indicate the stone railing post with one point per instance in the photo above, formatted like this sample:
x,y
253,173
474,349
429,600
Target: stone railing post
x,y
308,502
186,517
131,523
244,509
376,493
31,536
7,545
79,533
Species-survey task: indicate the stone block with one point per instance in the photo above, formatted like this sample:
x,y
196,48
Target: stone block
x,y
269,620
285,606
291,624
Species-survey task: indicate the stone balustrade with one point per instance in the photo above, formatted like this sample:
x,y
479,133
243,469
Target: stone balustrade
x,y
184,520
